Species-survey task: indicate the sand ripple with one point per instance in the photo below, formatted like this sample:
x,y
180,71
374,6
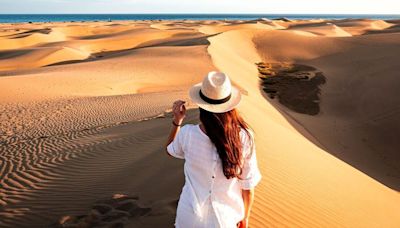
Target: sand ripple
x,y
39,157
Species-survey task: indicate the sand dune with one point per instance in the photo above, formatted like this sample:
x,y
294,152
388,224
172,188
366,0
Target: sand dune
x,y
272,45
227,27
95,46
38,57
93,78
238,63
84,114
322,29
29,38
358,27
84,30
367,122
184,25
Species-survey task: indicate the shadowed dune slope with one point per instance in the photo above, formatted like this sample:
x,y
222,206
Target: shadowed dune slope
x,y
359,106
317,189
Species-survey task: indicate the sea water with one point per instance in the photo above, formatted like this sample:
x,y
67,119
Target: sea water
x,y
18,18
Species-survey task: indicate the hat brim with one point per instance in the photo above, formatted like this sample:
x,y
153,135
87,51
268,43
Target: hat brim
x,y
232,103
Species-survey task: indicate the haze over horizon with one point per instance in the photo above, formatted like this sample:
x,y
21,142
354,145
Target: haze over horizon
x,y
204,6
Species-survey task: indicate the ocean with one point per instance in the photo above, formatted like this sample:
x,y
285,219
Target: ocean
x,y
18,18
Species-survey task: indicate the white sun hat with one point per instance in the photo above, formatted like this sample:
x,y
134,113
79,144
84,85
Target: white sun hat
x,y
215,93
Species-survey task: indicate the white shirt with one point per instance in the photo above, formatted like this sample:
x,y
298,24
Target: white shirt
x,y
208,198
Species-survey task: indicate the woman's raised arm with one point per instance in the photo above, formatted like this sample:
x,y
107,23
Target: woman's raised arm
x,y
179,112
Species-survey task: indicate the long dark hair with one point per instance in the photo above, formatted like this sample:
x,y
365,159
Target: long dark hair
x,y
223,129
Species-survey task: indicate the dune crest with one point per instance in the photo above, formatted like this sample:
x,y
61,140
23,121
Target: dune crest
x,y
29,38
322,29
42,57
359,27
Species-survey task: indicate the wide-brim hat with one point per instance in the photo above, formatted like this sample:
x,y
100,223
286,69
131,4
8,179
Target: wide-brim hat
x,y
216,93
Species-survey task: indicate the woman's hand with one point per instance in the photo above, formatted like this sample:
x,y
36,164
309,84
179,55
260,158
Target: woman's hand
x,y
179,111
243,224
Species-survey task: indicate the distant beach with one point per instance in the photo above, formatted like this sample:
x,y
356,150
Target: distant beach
x,y
20,18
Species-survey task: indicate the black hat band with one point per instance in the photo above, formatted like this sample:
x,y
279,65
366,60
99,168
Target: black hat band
x,y
213,101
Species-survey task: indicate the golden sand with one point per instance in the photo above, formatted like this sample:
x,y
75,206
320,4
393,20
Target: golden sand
x,y
84,116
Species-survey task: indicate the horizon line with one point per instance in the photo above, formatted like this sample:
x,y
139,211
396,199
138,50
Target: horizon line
x,y
200,14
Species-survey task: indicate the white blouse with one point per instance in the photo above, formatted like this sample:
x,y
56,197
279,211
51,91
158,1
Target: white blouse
x,y
208,198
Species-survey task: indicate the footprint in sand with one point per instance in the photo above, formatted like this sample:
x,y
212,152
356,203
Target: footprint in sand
x,y
114,212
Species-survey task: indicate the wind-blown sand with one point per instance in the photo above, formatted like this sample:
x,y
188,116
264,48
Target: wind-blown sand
x,y
85,114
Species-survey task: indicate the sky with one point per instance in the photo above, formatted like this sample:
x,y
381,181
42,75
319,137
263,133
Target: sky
x,y
201,6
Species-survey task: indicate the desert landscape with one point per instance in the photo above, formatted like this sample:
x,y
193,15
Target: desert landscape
x,y
85,112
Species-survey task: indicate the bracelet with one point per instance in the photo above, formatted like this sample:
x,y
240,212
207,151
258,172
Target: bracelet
x,y
178,125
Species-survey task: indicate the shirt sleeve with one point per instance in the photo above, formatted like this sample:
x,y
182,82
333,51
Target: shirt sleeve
x,y
176,147
251,175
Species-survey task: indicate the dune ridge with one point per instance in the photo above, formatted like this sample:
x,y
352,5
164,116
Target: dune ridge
x,y
84,112
239,61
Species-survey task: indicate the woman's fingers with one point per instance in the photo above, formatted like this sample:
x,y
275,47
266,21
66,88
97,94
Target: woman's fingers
x,y
183,108
179,109
178,103
176,109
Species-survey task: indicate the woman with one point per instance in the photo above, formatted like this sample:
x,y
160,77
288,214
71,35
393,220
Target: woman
x,y
220,160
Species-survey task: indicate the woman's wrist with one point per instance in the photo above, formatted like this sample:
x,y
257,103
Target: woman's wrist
x,y
177,122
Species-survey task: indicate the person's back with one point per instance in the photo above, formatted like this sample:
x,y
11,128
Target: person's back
x,y
220,166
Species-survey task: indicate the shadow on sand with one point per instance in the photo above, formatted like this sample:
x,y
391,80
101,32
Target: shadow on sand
x,y
297,89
